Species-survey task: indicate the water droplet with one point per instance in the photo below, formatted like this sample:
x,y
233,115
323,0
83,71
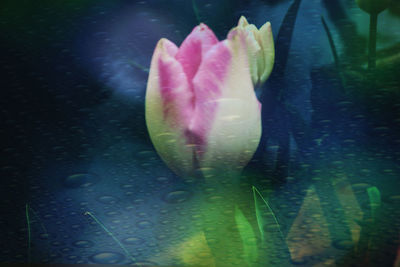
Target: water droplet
x,y
107,258
214,199
392,199
127,186
56,243
133,241
209,190
81,180
360,187
107,199
144,263
162,179
178,196
73,257
144,224
139,201
83,244
113,213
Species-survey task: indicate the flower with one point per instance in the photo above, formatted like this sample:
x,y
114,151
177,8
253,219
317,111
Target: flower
x,y
260,48
201,109
373,6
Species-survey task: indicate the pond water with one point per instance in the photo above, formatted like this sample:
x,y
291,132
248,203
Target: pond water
x,y
83,184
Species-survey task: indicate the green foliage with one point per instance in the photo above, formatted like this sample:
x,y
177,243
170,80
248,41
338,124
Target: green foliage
x,y
266,217
375,200
248,237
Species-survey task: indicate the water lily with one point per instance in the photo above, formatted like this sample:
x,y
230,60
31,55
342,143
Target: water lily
x,y
260,48
201,109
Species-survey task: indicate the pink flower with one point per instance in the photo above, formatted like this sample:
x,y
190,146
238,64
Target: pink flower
x,y
201,109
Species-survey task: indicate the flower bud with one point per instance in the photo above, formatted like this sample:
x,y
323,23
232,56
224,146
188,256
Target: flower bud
x,y
201,109
260,49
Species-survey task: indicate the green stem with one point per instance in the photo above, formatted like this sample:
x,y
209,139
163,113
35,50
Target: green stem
x,y
373,23
374,200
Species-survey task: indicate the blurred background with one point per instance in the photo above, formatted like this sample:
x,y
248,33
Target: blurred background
x,y
77,162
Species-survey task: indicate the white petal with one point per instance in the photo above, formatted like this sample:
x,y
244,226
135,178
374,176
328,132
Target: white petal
x,y
266,41
236,127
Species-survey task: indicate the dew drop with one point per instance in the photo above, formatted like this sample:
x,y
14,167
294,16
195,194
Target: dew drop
x,y
80,180
107,258
178,196
83,244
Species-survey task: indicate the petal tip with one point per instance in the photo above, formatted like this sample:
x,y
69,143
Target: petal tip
x,y
202,27
266,27
232,33
162,41
203,33
243,21
166,47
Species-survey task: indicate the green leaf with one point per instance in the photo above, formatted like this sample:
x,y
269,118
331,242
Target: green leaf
x,y
374,200
248,237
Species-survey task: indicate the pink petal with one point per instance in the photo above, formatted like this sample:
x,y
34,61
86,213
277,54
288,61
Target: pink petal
x,y
208,89
169,47
169,108
176,96
194,47
227,114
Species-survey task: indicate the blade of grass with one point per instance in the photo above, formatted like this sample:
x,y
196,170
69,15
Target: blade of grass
x,y
111,234
255,190
258,216
29,225
29,231
38,219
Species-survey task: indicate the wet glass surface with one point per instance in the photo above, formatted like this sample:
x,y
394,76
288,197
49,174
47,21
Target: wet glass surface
x,y
82,182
